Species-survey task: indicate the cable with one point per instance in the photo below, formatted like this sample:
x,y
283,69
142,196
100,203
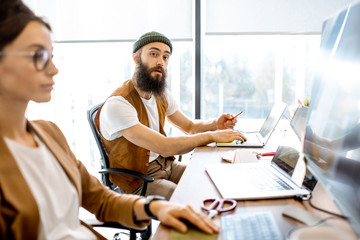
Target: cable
x,y
325,211
300,198
291,231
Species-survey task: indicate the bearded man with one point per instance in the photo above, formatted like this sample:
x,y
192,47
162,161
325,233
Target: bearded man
x,y
131,123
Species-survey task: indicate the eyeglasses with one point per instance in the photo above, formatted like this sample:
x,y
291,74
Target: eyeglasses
x,y
41,57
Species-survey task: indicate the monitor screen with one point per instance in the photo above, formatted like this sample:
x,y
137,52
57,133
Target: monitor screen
x,y
331,144
272,119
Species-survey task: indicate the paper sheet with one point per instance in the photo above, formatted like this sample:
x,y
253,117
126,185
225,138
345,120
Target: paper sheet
x,y
240,156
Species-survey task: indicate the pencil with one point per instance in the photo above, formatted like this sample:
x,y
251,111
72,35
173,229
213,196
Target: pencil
x,y
236,115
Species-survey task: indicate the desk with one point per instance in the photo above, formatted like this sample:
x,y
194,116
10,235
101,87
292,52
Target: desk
x,y
195,186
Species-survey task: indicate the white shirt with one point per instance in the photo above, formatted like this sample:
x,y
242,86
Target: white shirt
x,y
118,114
55,195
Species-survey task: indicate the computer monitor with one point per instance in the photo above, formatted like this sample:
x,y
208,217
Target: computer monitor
x,y
331,143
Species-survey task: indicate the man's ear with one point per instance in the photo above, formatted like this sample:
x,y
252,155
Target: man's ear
x,y
135,57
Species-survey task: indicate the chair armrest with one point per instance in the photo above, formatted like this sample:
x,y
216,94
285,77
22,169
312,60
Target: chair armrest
x,y
96,223
128,172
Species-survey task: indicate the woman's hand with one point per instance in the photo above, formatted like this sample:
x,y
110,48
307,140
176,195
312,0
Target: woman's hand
x,y
172,214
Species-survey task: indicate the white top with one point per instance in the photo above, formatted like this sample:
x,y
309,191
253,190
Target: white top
x,y
118,114
55,195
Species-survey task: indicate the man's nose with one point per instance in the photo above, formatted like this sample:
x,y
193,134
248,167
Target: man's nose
x,y
160,62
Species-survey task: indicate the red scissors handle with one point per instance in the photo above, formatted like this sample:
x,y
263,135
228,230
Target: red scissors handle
x,y
218,204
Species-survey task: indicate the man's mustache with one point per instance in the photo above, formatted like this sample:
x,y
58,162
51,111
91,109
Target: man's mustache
x,y
159,68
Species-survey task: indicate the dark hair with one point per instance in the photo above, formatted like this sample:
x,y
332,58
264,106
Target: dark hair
x,y
14,16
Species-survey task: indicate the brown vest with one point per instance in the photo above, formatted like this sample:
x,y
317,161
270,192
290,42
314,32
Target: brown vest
x,y
124,154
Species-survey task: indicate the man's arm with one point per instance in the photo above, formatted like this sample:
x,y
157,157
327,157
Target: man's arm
x,y
197,126
169,146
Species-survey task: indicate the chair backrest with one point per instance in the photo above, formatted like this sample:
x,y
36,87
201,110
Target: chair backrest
x,y
104,160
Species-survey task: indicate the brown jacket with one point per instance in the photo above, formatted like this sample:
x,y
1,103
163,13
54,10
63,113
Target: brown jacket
x,y
124,154
19,214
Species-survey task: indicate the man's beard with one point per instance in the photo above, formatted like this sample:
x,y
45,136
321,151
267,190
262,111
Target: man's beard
x,y
147,83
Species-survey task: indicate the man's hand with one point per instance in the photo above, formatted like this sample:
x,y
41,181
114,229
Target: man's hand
x,y
227,135
226,121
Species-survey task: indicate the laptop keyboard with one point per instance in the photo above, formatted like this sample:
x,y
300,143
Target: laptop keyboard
x,y
263,179
249,226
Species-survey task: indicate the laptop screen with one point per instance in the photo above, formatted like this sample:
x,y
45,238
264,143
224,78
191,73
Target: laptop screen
x,y
288,152
272,119
299,121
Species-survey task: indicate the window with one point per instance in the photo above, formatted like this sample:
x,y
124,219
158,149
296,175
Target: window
x,y
251,72
250,59
259,52
95,57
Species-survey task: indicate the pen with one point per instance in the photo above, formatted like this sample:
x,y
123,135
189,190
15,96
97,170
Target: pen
x,y
258,155
268,154
236,115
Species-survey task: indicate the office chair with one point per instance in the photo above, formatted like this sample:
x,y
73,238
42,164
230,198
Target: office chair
x,y
106,170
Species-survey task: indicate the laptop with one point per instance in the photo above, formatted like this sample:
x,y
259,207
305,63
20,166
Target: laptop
x,y
259,139
286,176
298,122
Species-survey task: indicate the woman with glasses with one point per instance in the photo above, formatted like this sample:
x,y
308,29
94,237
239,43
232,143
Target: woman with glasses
x,y
42,184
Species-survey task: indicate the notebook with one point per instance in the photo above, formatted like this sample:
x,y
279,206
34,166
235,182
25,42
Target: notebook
x,y
259,139
285,176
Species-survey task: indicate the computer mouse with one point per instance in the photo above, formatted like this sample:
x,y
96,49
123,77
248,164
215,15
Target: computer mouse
x,y
188,224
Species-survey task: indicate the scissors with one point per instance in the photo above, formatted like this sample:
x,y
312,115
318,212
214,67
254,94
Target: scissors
x,y
217,205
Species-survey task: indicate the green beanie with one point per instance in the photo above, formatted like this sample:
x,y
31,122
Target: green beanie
x,y
149,38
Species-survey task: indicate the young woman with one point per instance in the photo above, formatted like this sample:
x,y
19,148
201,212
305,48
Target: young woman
x,y
42,184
